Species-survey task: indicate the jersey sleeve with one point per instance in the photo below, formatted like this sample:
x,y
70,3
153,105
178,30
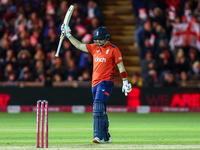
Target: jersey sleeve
x,y
117,55
91,48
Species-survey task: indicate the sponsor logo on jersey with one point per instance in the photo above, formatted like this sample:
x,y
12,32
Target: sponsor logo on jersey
x,y
120,58
98,51
97,59
107,51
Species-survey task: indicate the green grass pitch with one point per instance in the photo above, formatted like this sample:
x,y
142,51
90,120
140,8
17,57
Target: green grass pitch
x,y
128,131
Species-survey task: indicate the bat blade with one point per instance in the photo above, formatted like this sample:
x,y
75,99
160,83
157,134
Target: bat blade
x,y
68,15
65,23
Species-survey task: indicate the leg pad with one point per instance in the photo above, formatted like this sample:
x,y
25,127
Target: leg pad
x,y
98,118
106,125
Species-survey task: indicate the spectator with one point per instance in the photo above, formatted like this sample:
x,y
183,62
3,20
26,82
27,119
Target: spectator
x,y
62,11
57,78
21,74
93,26
35,38
160,35
24,59
195,71
158,16
197,12
38,47
20,18
192,57
172,8
72,69
21,27
9,14
184,19
51,60
137,5
85,76
136,80
26,77
51,41
50,10
93,11
188,11
177,19
151,79
84,61
51,25
10,58
169,27
181,62
162,46
147,64
47,19
41,77
70,78
21,36
8,70
169,81
5,45
184,76
75,21
57,68
11,78
38,70
25,44
142,33
67,46
172,5
39,55
148,47
28,9
80,8
164,64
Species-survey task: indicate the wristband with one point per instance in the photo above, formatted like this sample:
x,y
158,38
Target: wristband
x,y
123,74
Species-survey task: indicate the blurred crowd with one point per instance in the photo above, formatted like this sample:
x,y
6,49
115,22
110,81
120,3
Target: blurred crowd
x,y
30,31
29,36
163,63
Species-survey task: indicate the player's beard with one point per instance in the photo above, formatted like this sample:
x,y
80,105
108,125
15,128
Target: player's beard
x,y
100,42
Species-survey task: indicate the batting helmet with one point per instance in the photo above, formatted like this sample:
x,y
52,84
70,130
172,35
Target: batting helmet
x,y
101,33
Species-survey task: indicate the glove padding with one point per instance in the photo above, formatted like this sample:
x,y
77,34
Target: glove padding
x,y
126,88
65,30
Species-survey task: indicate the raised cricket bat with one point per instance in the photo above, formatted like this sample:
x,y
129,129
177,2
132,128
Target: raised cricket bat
x,y
66,23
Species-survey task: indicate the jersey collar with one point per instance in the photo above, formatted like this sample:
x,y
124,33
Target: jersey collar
x,y
107,44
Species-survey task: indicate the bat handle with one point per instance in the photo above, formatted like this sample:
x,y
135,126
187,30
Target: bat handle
x,y
58,49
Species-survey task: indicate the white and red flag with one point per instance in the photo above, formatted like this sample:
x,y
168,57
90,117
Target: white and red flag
x,y
186,34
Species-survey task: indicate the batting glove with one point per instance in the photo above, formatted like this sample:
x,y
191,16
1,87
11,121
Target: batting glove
x,y
126,88
65,30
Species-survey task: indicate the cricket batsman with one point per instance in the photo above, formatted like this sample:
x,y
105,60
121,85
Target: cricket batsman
x,y
105,57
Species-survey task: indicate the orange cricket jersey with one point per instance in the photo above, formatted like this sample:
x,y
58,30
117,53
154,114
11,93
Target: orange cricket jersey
x,y
104,62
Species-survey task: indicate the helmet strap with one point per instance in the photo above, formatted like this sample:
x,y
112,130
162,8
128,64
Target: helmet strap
x,y
105,42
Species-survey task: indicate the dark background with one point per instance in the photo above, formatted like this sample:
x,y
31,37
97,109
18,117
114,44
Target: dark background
x,y
58,96
83,96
